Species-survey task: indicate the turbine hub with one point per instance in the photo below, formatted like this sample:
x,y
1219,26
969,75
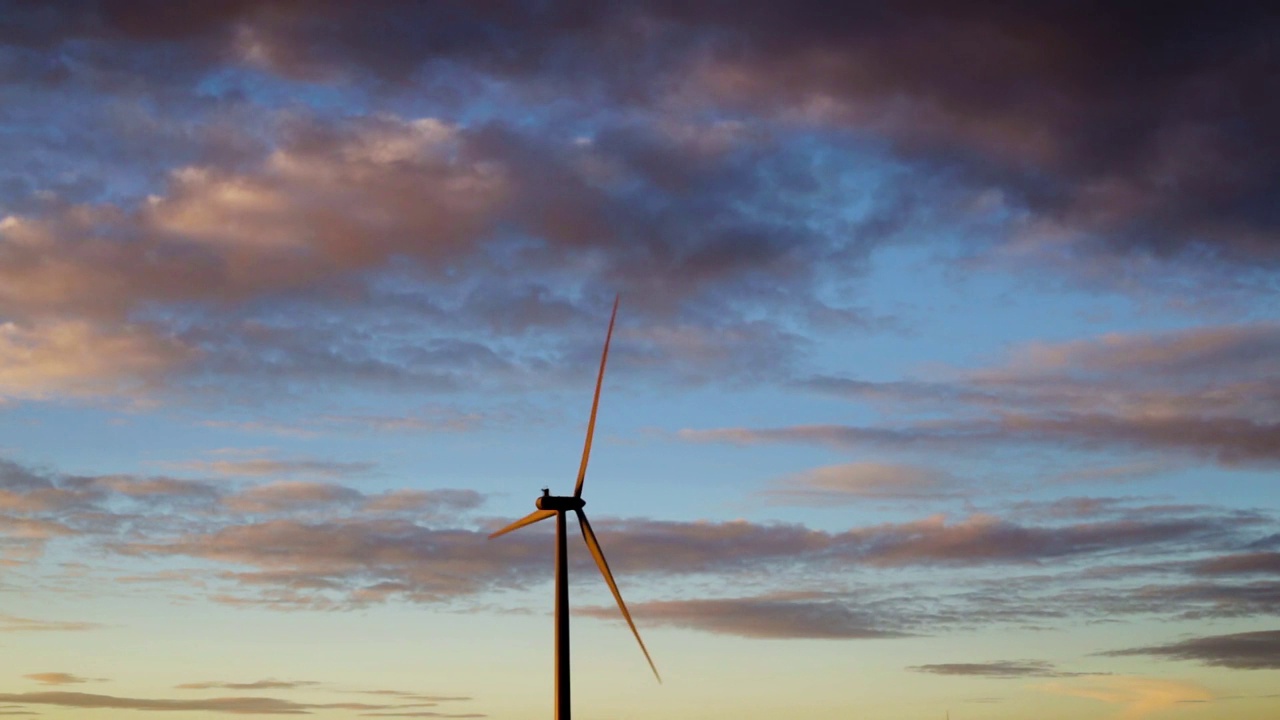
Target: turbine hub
x,y
563,503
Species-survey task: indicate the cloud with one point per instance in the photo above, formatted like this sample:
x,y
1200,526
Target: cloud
x,y
851,482
290,495
1137,696
1077,149
1213,353
438,419
1124,472
255,685
355,204
157,487
1241,651
1206,393
1260,563
408,695
294,496
720,230
292,545
234,705
1229,441
1003,669
231,705
74,358
107,511
357,560
59,678
13,623
1110,142
423,500
264,467
351,561
796,616
228,705
425,714
983,539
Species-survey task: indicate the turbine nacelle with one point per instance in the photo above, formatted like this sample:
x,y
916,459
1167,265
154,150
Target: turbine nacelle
x,y
559,503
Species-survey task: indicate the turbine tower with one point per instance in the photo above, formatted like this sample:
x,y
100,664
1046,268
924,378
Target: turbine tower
x,y
549,505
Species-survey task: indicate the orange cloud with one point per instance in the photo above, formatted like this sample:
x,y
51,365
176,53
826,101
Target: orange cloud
x,y
76,358
1137,697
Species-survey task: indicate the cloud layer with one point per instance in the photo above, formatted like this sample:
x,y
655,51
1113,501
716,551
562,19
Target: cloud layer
x,y
731,182
1242,651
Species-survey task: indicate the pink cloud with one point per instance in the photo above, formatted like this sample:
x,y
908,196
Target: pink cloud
x,y
852,482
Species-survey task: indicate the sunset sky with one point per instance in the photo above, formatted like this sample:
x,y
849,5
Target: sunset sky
x,y
946,376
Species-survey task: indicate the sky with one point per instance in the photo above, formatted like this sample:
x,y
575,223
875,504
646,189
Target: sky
x,y
945,381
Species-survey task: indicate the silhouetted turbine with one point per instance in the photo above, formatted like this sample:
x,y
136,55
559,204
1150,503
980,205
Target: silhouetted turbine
x,y
549,505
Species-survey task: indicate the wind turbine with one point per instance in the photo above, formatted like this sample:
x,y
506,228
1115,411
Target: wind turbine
x,y
557,505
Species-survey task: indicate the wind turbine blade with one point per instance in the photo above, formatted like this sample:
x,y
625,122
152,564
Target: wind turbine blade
x,y
595,402
529,519
594,546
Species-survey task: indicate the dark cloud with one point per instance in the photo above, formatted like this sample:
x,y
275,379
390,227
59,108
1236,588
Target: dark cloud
x,y
982,539
1258,563
291,545
1135,132
716,230
1131,131
1004,669
794,617
1208,600
1207,393
229,705
60,678
1230,441
1241,651
39,507
357,561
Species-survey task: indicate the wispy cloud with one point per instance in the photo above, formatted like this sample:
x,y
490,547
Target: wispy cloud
x,y
294,544
228,705
795,616
254,685
1003,669
1208,393
268,467
424,714
1241,651
1255,563
291,495
851,482
60,678
13,623
395,702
